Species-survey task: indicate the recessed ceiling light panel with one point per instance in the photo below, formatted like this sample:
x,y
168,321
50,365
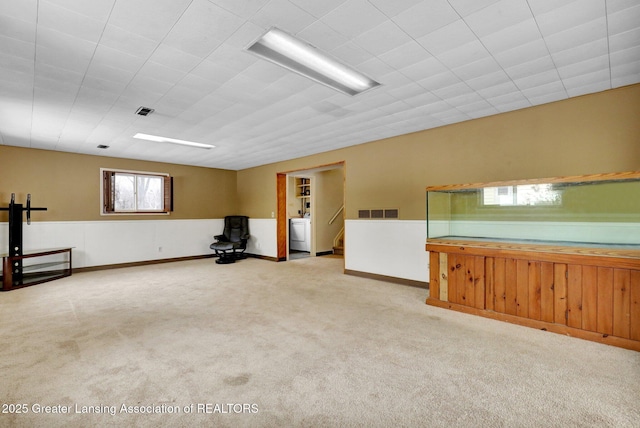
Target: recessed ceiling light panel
x,y
296,55
172,141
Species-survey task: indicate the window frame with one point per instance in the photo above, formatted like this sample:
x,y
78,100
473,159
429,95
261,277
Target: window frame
x,y
107,203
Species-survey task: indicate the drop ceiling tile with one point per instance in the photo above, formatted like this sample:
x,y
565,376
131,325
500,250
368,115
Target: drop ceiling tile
x,y
104,85
202,28
512,37
146,88
231,58
463,55
376,69
109,57
322,36
448,37
317,8
393,8
127,41
625,56
426,17
63,51
590,65
599,76
546,93
382,38
570,15
490,80
284,15
508,99
521,55
159,72
26,10
175,58
624,20
17,29
625,74
537,80
69,22
244,9
467,7
424,69
438,81
540,7
354,17
581,53
576,36
351,54
452,91
626,40
136,17
589,88
404,55
483,67
530,68
17,49
498,16
513,105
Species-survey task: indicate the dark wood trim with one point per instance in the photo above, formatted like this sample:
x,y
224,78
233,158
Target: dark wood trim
x,y
261,257
569,179
141,263
393,279
541,325
545,253
324,253
281,222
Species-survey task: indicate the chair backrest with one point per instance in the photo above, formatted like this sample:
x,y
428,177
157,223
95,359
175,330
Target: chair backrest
x,y
236,227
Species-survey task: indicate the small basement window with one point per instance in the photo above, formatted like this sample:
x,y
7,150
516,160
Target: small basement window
x,y
134,192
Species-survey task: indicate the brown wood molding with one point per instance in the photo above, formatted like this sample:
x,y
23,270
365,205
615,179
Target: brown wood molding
x,y
568,179
541,325
393,279
628,259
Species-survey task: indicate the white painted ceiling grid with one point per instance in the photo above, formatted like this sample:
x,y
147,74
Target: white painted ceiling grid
x,y
73,72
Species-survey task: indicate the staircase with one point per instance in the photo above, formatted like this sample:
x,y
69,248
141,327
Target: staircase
x,y
339,247
338,243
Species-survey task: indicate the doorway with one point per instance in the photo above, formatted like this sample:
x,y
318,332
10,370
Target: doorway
x,y
310,210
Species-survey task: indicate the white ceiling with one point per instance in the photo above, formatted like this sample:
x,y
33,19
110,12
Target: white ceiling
x,y
73,72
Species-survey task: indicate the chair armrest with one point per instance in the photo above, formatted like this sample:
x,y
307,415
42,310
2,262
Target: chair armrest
x,y
245,237
220,238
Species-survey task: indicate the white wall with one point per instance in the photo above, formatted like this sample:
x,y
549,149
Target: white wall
x,y
387,247
99,243
263,241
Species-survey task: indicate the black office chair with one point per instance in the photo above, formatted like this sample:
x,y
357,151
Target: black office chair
x,y
230,246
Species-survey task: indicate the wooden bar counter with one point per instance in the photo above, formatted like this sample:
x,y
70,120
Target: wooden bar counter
x,y
589,292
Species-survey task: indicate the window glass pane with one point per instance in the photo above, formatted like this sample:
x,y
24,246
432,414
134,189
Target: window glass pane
x,y
124,192
149,193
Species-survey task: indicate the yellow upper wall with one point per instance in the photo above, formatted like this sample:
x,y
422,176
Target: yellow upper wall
x,y
69,185
584,135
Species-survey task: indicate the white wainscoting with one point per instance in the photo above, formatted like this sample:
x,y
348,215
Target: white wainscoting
x,y
98,243
264,240
387,247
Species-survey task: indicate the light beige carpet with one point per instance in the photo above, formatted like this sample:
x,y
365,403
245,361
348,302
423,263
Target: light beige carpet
x,y
266,344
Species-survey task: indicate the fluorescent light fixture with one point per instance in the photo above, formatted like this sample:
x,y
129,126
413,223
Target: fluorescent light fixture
x,y
285,50
172,140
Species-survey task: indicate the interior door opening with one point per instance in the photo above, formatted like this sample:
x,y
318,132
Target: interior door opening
x,y
310,212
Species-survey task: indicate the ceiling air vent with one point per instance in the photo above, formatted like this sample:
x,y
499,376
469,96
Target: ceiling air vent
x,y
144,111
102,146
